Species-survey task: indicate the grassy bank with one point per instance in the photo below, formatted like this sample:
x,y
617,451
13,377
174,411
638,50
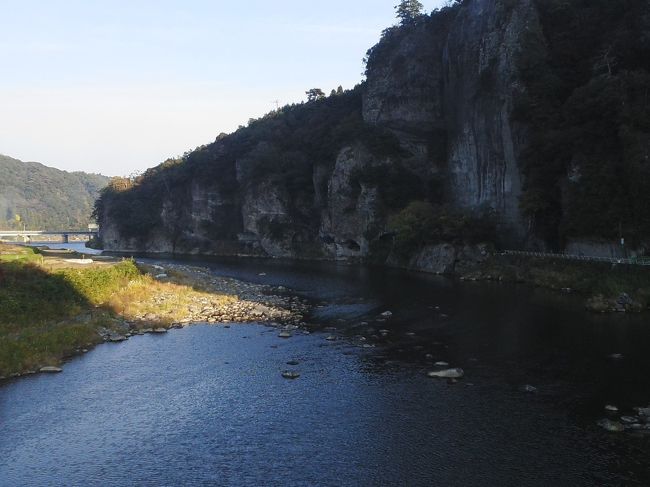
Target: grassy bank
x,y
51,309
603,285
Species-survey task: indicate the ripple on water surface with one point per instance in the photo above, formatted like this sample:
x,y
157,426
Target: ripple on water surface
x,y
207,405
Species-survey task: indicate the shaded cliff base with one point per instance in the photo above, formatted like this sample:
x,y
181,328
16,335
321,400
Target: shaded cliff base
x,y
605,287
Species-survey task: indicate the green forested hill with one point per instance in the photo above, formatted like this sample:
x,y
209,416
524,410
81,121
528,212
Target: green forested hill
x,y
44,198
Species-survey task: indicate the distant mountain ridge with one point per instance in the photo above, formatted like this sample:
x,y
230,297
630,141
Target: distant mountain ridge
x,y
45,198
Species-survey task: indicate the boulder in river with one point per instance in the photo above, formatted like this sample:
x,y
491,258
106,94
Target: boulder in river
x,y
330,338
455,373
611,408
441,364
386,314
285,334
50,369
160,330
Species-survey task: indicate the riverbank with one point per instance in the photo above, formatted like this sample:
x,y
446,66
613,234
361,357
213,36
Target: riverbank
x,y
605,287
56,305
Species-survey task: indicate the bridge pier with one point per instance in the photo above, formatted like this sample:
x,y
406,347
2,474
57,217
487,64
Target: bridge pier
x,y
66,238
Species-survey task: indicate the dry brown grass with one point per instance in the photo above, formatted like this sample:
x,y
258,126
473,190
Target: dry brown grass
x,y
170,302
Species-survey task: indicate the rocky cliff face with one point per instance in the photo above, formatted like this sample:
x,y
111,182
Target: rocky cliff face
x,y
434,121
448,90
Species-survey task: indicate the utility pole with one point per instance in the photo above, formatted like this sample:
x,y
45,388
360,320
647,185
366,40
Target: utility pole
x,y
620,235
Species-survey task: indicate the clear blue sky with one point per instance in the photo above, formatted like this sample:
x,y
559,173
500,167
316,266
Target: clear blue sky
x,y
118,86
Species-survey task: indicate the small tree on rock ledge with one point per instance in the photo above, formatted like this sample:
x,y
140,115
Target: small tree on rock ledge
x,y
408,11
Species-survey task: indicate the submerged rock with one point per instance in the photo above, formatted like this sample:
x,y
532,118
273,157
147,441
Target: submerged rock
x,y
611,426
293,362
528,388
289,374
455,373
330,338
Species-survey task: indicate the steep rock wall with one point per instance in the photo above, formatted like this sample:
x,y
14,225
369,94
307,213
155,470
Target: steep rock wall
x,y
444,91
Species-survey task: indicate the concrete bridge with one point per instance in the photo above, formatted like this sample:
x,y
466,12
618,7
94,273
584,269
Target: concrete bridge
x,y
28,235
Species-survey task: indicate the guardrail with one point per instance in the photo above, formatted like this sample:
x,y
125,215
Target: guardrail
x,y
612,260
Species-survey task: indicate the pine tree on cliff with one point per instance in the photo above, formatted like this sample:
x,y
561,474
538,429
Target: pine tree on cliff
x,y
408,11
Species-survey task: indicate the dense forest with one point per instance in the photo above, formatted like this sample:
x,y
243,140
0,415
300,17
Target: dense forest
x,y
587,166
44,198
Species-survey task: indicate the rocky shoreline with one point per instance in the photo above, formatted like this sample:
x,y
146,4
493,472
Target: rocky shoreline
x,y
220,301
251,303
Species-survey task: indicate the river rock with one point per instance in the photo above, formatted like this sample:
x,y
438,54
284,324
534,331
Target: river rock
x,y
611,408
285,334
160,330
455,373
292,362
330,338
643,411
629,419
116,338
441,364
289,374
528,388
611,426
386,314
50,369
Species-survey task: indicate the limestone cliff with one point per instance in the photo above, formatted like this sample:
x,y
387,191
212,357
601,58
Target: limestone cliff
x,y
435,121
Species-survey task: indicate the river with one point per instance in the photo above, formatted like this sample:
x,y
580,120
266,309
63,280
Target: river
x,y
206,405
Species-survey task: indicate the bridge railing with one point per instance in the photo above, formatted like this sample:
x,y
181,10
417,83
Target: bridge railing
x,y
566,256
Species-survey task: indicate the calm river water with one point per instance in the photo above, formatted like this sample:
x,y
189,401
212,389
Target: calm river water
x,y
207,405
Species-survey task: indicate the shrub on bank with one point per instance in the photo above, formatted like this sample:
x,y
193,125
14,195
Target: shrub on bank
x,y
421,224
